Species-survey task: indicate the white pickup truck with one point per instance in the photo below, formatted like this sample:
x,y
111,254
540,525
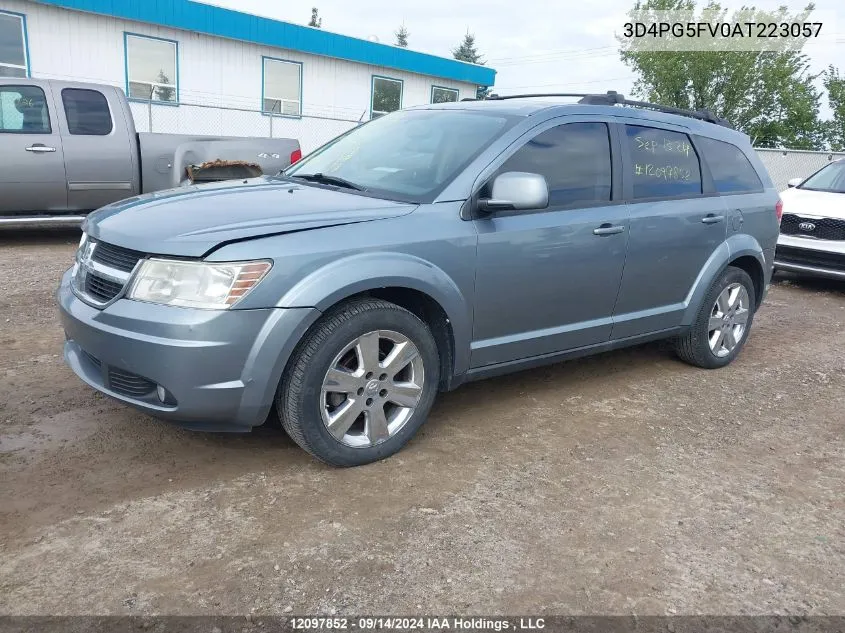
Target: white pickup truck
x,y
67,148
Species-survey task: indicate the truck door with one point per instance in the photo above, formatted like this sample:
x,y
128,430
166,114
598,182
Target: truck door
x,y
97,146
32,166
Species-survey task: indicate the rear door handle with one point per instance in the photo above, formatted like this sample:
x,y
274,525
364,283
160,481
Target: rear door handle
x,y
608,229
712,219
40,148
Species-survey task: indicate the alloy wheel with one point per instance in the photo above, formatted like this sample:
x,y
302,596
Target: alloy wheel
x,y
728,319
372,388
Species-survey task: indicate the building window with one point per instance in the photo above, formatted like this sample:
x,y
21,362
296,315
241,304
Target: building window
x,y
152,69
13,54
23,110
282,89
443,95
386,97
87,112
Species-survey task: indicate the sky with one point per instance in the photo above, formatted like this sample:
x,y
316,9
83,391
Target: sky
x,y
543,46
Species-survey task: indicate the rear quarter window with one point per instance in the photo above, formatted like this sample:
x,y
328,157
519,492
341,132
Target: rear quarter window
x,y
731,170
87,112
663,163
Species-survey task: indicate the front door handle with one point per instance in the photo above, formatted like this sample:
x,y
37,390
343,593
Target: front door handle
x,y
40,148
712,219
608,229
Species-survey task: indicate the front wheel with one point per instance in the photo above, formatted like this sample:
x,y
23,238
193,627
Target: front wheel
x,y
723,322
360,384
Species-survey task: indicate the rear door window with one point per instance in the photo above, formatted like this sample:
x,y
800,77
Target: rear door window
x,y
663,163
574,158
87,112
731,170
23,110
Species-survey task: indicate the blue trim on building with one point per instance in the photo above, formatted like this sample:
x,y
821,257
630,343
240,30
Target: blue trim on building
x,y
264,59
126,36
216,21
26,61
373,90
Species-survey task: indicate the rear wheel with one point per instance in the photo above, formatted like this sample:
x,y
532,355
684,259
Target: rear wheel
x,y
360,384
723,322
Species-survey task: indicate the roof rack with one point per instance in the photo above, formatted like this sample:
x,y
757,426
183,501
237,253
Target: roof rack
x,y
611,97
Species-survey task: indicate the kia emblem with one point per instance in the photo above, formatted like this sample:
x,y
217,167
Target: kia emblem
x,y
807,226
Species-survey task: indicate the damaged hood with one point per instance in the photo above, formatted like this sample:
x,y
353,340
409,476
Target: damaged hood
x,y
191,221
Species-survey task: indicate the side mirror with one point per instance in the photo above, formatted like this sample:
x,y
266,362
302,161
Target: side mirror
x,y
794,182
516,191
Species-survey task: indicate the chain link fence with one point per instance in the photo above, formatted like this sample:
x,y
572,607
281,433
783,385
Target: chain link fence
x,y
786,164
313,131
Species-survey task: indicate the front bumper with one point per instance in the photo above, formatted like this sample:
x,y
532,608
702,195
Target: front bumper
x,y
220,368
808,256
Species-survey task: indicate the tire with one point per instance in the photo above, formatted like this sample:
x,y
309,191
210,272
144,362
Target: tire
x,y
310,399
698,347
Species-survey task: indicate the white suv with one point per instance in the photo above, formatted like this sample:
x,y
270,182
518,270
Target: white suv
x,y
812,231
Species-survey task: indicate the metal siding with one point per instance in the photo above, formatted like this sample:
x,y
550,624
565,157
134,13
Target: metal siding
x,y
213,71
211,20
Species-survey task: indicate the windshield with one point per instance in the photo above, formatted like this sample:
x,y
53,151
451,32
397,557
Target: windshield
x,y
830,178
408,155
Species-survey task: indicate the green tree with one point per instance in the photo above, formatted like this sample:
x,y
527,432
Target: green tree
x,y
835,128
316,20
467,51
164,93
769,95
402,37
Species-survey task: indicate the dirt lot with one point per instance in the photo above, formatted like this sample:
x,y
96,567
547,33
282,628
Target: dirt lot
x,y
626,483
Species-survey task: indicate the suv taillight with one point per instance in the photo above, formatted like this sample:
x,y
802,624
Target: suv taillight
x,y
295,155
779,209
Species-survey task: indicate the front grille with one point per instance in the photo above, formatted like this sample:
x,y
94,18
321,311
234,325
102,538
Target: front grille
x,y
116,256
103,270
806,257
100,288
128,384
823,228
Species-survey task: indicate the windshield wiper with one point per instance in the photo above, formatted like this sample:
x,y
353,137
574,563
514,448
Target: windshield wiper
x,y
329,180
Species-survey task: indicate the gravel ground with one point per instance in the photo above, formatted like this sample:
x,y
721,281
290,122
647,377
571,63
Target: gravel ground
x,y
627,483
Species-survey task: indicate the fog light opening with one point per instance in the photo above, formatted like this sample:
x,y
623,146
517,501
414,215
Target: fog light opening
x,y
161,392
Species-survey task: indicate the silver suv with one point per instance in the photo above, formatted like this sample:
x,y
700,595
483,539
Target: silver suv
x,y
430,247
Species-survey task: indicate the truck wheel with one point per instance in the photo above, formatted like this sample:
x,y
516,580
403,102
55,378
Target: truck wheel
x,y
723,322
360,383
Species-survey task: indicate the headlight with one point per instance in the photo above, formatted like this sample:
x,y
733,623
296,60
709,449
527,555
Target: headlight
x,y
196,284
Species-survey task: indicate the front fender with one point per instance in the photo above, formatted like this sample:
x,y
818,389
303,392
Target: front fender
x,y
736,246
358,273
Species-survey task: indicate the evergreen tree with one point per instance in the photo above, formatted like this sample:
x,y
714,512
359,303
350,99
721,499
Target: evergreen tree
x,y
316,20
402,37
164,93
467,52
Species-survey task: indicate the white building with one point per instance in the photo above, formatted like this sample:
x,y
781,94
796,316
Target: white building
x,y
196,68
